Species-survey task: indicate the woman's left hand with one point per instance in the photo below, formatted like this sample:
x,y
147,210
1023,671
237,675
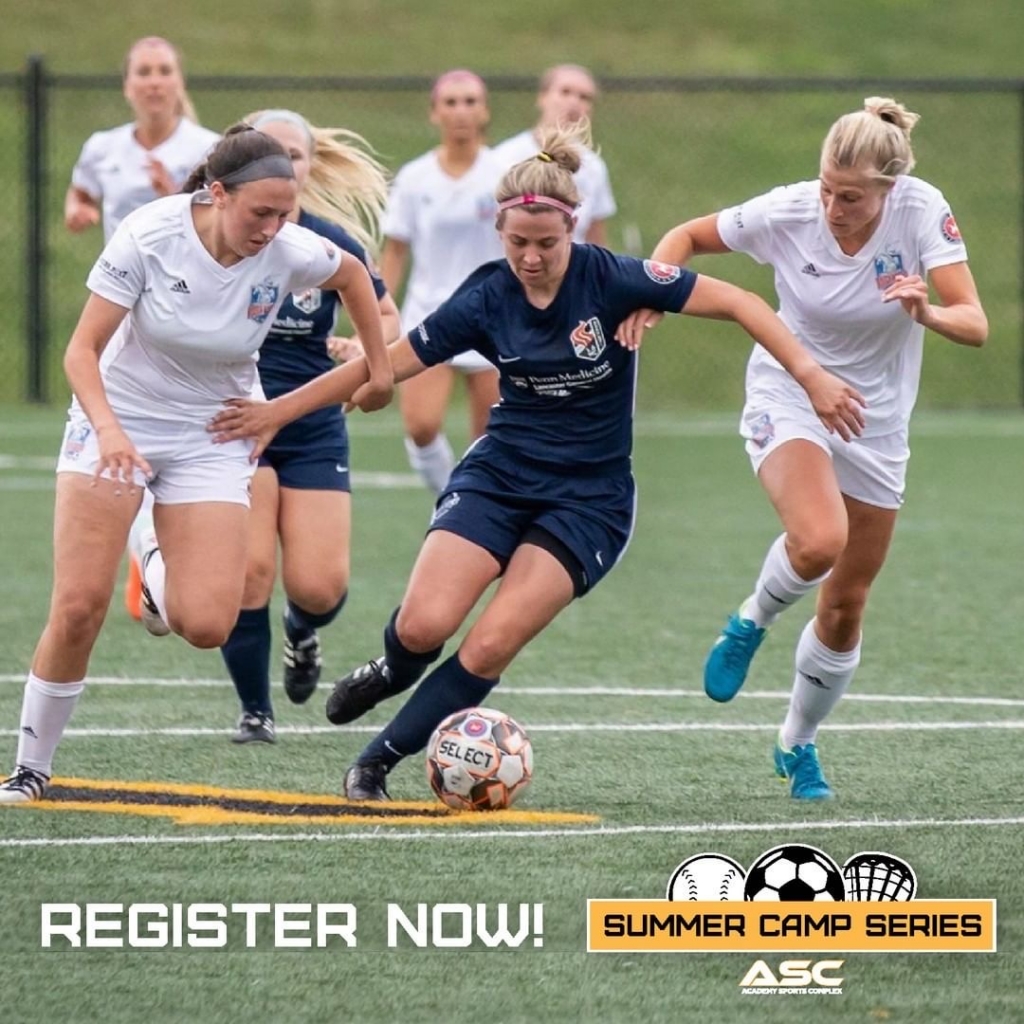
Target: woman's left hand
x,y
243,419
839,406
344,350
630,333
912,293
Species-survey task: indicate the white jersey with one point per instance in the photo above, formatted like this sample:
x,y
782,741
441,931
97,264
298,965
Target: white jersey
x,y
448,224
832,301
113,167
194,327
592,181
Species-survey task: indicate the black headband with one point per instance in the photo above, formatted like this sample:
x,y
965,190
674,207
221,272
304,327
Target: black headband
x,y
272,165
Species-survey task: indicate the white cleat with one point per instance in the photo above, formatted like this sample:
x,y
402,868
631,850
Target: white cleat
x,y
24,786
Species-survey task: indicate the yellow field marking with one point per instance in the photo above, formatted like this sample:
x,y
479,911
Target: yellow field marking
x,y
204,805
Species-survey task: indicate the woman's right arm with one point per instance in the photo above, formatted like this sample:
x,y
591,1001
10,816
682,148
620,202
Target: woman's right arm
x,y
81,210
100,318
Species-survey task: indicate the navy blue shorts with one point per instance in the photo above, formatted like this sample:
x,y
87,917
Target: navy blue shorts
x,y
311,459
493,499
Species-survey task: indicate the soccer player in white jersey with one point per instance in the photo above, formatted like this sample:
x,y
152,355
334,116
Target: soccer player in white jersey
x,y
151,156
440,214
854,253
566,95
121,169
182,298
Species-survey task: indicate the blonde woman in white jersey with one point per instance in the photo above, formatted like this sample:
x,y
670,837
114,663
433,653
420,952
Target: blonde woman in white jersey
x,y
181,300
121,169
440,215
854,253
566,95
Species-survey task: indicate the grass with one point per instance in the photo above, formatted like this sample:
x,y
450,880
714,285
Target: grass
x,y
919,753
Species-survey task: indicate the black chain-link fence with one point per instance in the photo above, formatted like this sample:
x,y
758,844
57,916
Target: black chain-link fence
x,y
675,149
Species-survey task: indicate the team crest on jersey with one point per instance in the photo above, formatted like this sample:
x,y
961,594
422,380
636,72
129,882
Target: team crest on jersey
x,y
764,431
309,300
262,301
888,269
588,339
950,231
661,273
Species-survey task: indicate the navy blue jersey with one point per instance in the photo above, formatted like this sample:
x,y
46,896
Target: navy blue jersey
x,y
567,386
295,350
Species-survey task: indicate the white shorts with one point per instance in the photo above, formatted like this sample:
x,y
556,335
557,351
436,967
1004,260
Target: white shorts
x,y
868,469
187,466
470,362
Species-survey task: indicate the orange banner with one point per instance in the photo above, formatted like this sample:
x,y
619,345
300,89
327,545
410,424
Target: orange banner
x,y
916,926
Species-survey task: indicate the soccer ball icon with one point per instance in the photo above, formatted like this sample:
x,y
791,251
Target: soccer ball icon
x,y
479,760
794,872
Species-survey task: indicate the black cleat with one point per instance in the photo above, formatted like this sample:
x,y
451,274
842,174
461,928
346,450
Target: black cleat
x,y
362,689
254,727
302,663
366,782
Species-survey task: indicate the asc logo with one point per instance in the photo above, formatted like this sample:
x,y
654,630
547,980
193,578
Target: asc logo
x,y
588,339
793,976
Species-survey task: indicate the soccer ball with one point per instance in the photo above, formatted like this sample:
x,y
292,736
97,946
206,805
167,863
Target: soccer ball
x,y
479,760
794,872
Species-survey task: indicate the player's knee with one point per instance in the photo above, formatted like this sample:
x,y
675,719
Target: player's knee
x,y
422,434
815,551
206,634
423,629
321,594
487,651
77,618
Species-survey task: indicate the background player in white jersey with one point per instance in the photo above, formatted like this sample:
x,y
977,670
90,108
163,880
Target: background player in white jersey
x,y
301,490
121,169
441,215
545,501
182,297
853,253
566,95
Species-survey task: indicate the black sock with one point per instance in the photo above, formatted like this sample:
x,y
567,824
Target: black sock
x,y
247,656
405,666
449,688
300,624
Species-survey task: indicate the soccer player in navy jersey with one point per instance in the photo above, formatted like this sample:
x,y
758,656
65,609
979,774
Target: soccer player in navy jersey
x,y
545,499
301,490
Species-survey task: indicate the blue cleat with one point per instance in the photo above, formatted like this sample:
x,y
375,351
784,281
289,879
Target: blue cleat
x,y
801,766
729,660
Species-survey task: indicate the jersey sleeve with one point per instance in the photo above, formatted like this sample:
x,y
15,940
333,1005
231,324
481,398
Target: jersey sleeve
x,y
85,174
454,327
399,220
648,284
939,236
119,274
748,227
323,257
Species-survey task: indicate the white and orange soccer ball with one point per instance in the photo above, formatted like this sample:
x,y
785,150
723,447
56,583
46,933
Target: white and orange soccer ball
x,y
479,760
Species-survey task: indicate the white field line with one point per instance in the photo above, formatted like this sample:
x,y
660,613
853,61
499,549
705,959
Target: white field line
x,y
101,732
491,834
587,691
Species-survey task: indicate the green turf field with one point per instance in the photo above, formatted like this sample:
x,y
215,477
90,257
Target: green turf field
x,y
924,754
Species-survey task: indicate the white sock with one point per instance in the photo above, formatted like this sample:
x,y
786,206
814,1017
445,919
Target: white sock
x,y
154,575
434,462
142,535
822,676
45,711
777,588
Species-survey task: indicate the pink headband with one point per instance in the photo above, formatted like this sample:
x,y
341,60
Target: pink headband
x,y
529,199
457,75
